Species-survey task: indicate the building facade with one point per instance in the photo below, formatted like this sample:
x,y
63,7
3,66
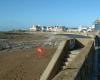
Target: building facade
x,y
97,25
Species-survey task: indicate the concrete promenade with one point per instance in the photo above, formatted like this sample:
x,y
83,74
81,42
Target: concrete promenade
x,y
72,63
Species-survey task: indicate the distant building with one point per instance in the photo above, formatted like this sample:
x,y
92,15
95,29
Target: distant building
x,y
86,28
72,30
47,29
97,25
33,28
44,28
82,29
54,28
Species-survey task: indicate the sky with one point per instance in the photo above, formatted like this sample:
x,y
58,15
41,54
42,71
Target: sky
x,y
22,14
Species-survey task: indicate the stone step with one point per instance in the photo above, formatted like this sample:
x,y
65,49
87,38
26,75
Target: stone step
x,y
64,67
69,59
72,55
66,63
75,52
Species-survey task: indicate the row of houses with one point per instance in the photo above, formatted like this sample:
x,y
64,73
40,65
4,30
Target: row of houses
x,y
61,28
45,29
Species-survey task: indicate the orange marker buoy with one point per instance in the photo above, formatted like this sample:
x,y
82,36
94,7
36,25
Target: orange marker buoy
x,y
40,51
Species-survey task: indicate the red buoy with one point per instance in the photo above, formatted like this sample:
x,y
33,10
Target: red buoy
x,y
40,51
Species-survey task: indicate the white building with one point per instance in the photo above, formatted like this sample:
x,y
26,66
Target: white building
x,y
44,28
87,28
72,30
33,28
82,28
